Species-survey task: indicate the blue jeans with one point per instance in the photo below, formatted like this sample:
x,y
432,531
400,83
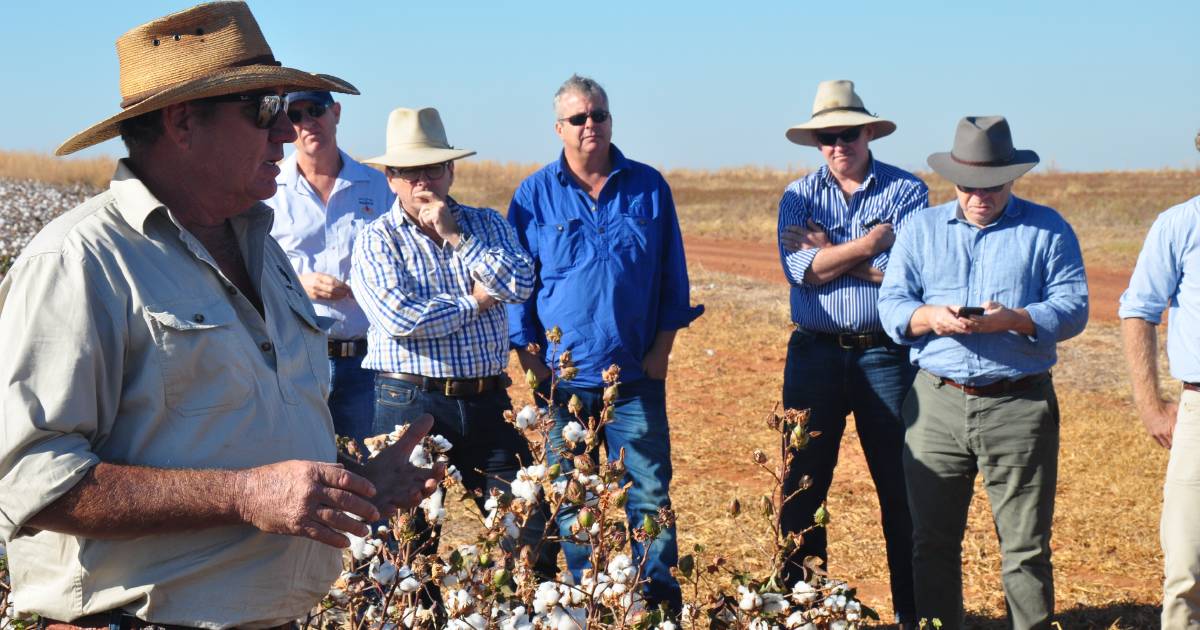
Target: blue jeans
x,y
487,450
833,382
351,397
639,426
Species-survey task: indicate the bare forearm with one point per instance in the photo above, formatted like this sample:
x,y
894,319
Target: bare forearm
x,y
1022,323
864,271
918,324
1140,339
530,361
835,261
118,502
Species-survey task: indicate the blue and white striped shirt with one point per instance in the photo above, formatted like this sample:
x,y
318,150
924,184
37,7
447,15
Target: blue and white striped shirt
x,y
846,303
418,294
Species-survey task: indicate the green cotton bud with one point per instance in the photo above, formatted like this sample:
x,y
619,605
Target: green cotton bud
x,y
531,379
586,518
821,517
501,577
651,526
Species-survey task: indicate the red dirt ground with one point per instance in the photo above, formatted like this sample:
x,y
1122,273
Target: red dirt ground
x,y
754,260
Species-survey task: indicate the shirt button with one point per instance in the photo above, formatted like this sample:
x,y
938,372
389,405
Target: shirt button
x,y
601,230
198,318
231,290
593,207
265,346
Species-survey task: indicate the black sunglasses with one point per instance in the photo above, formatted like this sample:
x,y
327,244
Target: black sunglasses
x,y
970,190
314,110
413,174
269,106
597,115
829,139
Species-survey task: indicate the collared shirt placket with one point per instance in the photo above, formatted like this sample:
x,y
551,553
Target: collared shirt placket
x,y
975,285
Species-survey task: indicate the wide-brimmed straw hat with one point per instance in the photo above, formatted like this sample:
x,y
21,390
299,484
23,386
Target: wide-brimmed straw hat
x,y
208,50
416,137
983,154
838,105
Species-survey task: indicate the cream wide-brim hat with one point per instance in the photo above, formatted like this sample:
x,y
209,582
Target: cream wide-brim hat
x,y
838,105
416,137
208,50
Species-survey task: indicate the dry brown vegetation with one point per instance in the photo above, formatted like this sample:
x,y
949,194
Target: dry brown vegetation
x,y
727,371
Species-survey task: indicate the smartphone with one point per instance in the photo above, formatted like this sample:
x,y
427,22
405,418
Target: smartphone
x,y
967,311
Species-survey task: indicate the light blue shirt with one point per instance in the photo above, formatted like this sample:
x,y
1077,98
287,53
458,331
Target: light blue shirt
x,y
319,237
846,303
1168,275
1028,258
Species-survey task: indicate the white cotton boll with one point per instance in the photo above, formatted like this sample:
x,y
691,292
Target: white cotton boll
x,y
453,473
491,503
797,621
435,511
839,624
574,432
773,603
477,621
620,569
382,572
527,417
804,594
666,625
761,624
440,444
420,457
409,584
358,546
748,599
510,527
528,490
458,601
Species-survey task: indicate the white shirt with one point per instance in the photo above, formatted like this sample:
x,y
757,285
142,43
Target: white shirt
x,y
319,237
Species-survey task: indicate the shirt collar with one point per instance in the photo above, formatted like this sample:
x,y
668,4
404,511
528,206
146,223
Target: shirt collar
x,y
827,177
135,202
561,170
353,171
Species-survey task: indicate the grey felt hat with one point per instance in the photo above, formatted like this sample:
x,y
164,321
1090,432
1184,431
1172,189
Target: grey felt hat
x,y
983,154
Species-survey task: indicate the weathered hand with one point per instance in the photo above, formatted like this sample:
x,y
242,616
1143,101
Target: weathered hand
x,y
433,213
308,499
796,238
880,238
485,299
322,286
399,484
996,318
1160,422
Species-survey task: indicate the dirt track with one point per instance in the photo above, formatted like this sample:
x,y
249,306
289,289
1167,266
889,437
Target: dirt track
x,y
755,260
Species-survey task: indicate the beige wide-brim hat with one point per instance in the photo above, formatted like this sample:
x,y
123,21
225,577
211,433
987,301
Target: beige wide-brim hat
x,y
208,50
416,137
983,154
838,105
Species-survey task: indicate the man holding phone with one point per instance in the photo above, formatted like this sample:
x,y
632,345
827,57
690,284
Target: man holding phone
x,y
983,399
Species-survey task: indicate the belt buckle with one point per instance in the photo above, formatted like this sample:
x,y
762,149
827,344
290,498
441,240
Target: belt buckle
x,y
843,344
446,387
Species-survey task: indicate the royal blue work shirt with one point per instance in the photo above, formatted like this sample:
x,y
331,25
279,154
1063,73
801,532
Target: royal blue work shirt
x,y
1027,258
1167,275
610,272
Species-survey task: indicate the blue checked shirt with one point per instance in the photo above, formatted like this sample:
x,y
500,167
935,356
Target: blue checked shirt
x,y
1167,275
418,294
846,303
1027,258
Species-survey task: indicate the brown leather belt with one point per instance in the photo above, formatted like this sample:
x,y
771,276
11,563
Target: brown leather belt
x,y
1194,387
120,620
349,348
452,387
998,388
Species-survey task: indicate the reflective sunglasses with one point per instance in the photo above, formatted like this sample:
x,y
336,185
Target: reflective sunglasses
x,y
597,115
969,190
829,139
314,111
413,174
269,106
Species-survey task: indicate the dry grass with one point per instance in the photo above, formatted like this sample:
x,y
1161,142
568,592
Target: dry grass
x,y
54,170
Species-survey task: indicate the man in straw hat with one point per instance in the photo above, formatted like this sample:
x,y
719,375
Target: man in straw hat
x,y
605,240
836,226
167,456
432,275
324,200
983,288
1165,277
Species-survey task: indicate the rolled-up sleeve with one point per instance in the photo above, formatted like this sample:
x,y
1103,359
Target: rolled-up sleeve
x,y
61,363
792,211
902,290
1063,312
1156,277
674,308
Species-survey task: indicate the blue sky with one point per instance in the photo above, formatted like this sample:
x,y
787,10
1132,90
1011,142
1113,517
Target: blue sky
x,y
1090,85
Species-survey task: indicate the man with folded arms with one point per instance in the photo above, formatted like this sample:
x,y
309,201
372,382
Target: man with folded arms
x,y
324,200
433,275
1165,277
983,399
166,454
836,226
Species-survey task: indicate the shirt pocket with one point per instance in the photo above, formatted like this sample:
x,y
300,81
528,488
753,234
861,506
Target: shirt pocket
x,y
561,246
638,229
313,342
203,358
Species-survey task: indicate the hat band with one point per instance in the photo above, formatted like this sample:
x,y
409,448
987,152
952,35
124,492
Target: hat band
x,y
261,60
860,110
1003,162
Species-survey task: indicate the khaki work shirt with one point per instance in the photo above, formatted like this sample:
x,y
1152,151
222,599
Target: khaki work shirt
x,y
122,342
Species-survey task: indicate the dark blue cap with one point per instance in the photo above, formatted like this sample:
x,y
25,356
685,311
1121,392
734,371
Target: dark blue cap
x,y
319,97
